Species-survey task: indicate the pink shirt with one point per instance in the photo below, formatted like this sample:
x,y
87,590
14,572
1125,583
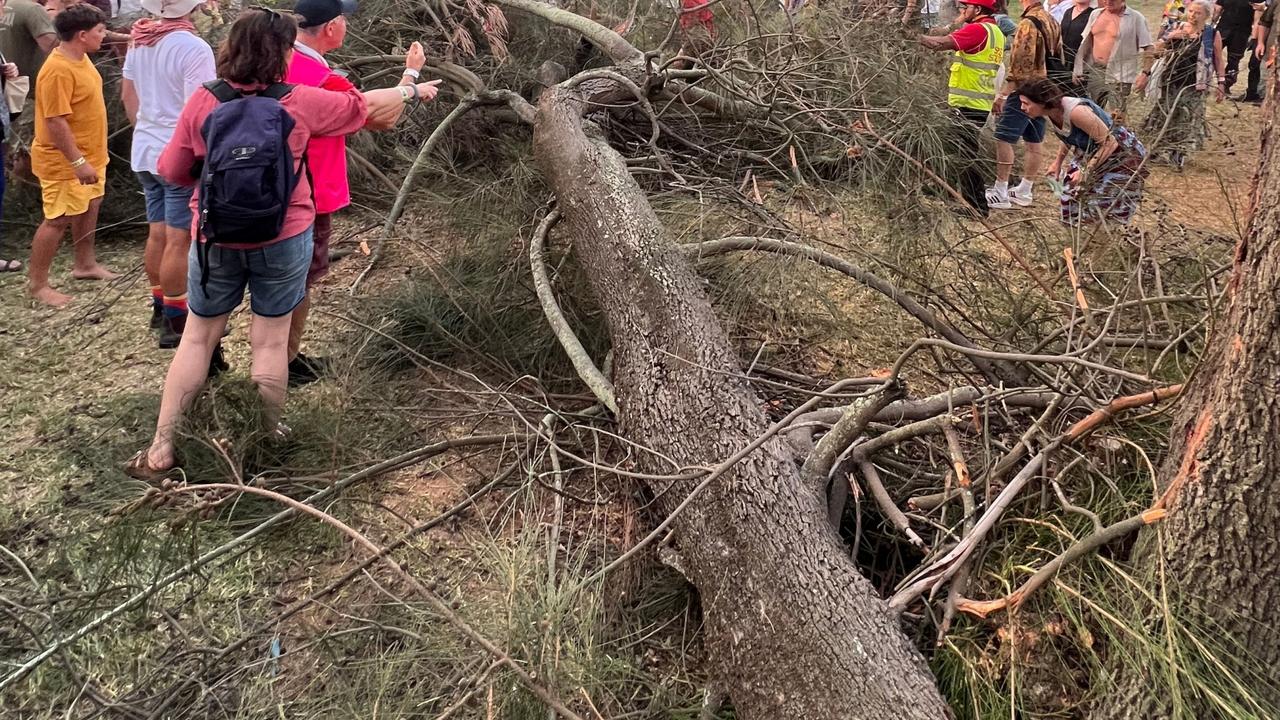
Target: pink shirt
x,y
326,156
315,113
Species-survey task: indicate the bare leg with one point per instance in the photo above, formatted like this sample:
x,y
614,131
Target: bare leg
x,y
43,248
269,339
173,263
1004,161
84,228
186,375
1032,159
152,252
298,325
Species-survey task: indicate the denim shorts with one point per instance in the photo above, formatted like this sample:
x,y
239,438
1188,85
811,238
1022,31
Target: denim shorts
x,y
1014,124
169,204
275,274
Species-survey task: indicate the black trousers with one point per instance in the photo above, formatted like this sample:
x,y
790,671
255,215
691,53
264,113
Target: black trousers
x,y
973,183
1253,90
1235,42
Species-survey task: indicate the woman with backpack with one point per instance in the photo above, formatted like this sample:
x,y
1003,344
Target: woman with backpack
x,y
1107,170
1193,63
241,141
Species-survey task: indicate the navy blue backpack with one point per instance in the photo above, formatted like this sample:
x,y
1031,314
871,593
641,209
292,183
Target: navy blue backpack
x,y
248,175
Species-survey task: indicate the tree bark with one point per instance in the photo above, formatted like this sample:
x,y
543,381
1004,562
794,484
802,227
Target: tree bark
x,y
1221,482
793,629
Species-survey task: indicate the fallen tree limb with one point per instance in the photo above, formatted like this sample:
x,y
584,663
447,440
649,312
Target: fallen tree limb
x,y
816,470
427,593
886,503
1081,548
395,463
582,362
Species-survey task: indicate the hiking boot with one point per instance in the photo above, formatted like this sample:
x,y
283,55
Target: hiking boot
x,y
217,363
157,318
998,199
171,330
305,370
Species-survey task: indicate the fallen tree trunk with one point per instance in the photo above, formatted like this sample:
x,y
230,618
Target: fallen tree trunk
x,y
793,629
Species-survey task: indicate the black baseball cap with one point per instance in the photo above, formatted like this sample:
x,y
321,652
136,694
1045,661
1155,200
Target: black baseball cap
x,y
314,13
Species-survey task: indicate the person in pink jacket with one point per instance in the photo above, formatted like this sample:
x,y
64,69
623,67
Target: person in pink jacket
x,y
322,28
255,56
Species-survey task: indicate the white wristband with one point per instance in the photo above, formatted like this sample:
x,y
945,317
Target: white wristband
x,y
412,73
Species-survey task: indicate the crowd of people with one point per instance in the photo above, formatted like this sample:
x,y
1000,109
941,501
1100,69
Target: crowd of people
x,y
243,149
1072,66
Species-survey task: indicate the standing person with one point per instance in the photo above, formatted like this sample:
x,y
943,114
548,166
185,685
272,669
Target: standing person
x,y
1104,180
1007,25
8,71
69,155
1036,37
979,48
1194,64
1073,22
167,64
1110,55
322,27
26,35
1175,13
1235,19
251,65
1258,55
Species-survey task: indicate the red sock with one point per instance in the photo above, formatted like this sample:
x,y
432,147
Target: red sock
x,y
157,296
175,305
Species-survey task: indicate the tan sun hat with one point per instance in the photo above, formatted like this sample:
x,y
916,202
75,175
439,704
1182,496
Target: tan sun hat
x,y
171,8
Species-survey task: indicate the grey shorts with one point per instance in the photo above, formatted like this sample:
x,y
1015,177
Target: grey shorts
x,y
276,276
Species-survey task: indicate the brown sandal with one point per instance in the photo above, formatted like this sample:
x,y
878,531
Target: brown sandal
x,y
140,468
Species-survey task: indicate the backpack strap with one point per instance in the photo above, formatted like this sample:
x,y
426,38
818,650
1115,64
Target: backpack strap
x,y
276,91
222,90
1057,52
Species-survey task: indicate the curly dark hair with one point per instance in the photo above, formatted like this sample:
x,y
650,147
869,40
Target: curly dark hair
x,y
1042,91
77,19
256,51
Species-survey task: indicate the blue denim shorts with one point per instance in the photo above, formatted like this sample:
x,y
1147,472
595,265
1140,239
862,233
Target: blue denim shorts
x,y
169,204
1014,124
275,274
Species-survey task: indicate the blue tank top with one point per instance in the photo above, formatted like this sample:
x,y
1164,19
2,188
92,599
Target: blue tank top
x,y
1078,138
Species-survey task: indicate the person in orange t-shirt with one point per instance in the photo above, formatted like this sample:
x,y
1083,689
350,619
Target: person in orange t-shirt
x,y
69,155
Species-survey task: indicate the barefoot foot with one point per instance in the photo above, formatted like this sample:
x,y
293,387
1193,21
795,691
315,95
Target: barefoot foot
x,y
97,272
49,296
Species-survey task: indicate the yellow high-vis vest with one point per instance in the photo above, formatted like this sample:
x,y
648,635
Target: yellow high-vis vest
x,y
973,75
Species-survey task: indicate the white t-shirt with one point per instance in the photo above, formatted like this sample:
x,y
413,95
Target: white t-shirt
x,y
127,8
164,76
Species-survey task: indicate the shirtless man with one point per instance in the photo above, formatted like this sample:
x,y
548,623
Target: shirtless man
x,y
1110,55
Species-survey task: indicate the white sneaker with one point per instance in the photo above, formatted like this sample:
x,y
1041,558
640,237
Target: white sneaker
x,y
1019,198
998,199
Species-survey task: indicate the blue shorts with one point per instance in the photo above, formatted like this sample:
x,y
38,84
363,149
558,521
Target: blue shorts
x,y
1014,124
169,204
276,276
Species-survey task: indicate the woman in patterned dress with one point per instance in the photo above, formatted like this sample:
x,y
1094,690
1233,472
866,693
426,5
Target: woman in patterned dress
x,y
1107,170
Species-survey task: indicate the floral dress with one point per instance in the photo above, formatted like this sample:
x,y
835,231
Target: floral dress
x,y
1112,191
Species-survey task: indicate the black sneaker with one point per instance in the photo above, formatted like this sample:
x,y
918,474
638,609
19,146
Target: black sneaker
x,y
305,370
157,317
217,363
171,331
